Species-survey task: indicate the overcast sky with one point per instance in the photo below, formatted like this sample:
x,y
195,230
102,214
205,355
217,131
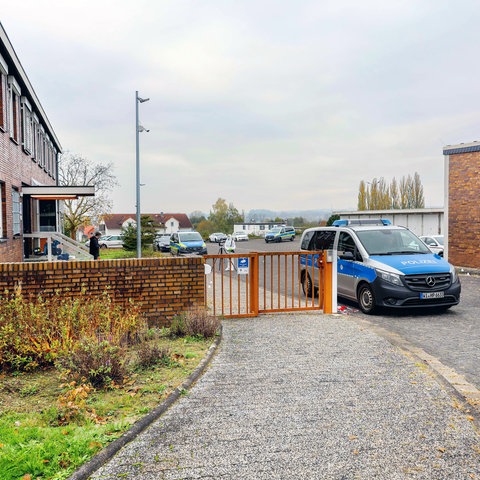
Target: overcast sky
x,y
276,104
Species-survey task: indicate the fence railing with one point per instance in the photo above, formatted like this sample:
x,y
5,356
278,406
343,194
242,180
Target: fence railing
x,y
244,285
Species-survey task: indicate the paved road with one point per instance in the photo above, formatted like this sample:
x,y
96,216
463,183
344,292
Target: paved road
x,y
306,397
452,337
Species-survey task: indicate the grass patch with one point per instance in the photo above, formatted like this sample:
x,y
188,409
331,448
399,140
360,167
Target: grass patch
x,y
75,373
114,253
50,426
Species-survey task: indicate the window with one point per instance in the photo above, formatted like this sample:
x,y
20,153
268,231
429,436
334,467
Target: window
x,y
3,93
16,211
13,113
27,126
3,211
3,99
347,244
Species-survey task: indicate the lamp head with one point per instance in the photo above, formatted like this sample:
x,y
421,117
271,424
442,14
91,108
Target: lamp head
x,y
141,100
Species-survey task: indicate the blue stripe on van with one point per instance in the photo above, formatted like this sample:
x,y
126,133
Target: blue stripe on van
x,y
414,264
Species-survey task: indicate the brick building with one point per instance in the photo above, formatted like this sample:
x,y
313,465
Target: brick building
x,y
29,152
28,157
462,205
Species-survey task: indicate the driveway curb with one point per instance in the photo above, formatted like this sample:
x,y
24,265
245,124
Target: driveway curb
x,y
467,394
111,449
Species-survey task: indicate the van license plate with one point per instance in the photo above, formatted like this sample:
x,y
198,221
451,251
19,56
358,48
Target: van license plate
x,y
427,295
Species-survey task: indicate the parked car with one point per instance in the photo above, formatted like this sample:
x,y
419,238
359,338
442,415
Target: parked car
x,y
187,242
240,236
434,243
162,242
217,237
111,241
279,234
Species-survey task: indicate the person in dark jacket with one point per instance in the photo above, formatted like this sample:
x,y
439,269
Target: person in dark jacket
x,y
95,245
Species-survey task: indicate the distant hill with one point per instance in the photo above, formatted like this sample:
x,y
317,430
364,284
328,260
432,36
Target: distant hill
x,y
259,215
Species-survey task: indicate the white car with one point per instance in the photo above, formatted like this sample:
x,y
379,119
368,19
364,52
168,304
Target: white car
x,y
240,236
434,243
217,237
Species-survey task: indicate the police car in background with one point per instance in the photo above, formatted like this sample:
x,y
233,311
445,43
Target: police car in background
x,y
279,234
380,265
182,243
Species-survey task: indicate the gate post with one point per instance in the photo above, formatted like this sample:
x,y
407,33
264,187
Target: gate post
x,y
329,258
254,283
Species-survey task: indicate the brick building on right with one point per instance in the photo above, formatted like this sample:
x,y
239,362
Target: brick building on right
x,y
462,204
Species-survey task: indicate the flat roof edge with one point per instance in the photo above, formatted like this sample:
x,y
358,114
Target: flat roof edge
x,y
461,148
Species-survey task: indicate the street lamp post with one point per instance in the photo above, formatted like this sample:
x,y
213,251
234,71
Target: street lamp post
x,y
138,129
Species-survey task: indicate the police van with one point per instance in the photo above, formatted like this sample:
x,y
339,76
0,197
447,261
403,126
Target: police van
x,y
381,265
182,243
279,234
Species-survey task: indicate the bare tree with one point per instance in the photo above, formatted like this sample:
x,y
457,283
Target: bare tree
x,y
408,193
76,170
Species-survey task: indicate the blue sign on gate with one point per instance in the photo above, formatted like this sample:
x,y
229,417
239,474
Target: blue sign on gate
x,y
242,265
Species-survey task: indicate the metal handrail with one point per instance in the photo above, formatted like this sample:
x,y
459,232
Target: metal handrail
x,y
71,245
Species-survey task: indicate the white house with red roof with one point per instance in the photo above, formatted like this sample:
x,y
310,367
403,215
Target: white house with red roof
x,y
166,222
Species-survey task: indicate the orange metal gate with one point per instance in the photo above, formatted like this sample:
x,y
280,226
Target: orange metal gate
x,y
244,285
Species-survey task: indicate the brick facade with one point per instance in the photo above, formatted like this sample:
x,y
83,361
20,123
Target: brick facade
x,y
163,287
28,153
464,205
16,169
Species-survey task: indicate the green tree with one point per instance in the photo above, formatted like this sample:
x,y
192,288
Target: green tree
x,y
148,232
205,228
362,196
223,216
332,218
196,218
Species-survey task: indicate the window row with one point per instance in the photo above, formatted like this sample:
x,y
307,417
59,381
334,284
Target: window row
x,y
20,121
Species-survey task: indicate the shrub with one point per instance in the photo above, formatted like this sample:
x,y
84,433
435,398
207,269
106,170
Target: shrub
x,y
195,322
72,406
99,364
150,354
37,332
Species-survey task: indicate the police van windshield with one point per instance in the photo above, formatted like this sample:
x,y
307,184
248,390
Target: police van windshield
x,y
391,242
275,230
190,237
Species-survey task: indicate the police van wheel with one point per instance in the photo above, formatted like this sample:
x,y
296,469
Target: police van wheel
x,y
307,285
366,299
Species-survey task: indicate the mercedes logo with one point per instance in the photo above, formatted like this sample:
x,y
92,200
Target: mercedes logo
x,y
430,281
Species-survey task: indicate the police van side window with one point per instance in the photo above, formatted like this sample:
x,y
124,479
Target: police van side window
x,y
306,241
319,240
347,244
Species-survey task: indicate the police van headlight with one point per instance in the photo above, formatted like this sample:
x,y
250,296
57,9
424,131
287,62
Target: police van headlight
x,y
390,277
453,273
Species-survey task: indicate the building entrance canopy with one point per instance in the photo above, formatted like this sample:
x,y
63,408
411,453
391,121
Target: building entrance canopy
x,y
44,192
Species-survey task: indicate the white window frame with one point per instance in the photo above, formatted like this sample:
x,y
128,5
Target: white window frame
x,y
14,95
16,212
27,126
3,233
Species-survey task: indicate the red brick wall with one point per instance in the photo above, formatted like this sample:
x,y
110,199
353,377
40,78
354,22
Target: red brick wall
x,y
464,210
163,287
16,168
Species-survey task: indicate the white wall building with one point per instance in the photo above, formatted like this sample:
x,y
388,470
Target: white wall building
x,y
421,221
